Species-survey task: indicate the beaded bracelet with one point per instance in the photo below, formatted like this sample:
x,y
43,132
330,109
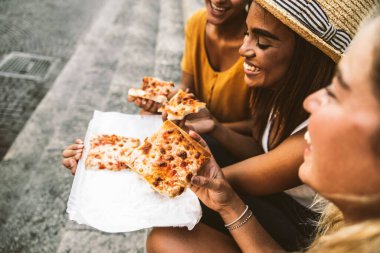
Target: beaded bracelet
x,y
229,224
242,223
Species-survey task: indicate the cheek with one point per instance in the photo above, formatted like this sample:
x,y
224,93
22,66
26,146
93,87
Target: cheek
x,y
275,66
340,151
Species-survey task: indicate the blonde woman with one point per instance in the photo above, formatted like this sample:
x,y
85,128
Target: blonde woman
x,y
341,162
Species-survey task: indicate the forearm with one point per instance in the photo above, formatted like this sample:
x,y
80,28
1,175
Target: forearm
x,y
268,173
242,146
242,127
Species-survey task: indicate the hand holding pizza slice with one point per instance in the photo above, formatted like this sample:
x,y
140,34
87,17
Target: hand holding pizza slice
x,y
181,105
153,89
169,159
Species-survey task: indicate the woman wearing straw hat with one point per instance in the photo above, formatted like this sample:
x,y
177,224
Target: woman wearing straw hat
x,y
344,129
290,51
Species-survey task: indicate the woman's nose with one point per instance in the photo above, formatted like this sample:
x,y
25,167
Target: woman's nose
x,y
315,101
246,50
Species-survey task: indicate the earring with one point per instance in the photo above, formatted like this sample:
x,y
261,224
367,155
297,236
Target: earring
x,y
247,7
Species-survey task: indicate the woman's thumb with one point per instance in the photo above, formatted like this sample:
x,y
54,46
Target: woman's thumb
x,y
203,182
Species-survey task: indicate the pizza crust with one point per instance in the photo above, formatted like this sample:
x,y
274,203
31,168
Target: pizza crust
x,y
143,94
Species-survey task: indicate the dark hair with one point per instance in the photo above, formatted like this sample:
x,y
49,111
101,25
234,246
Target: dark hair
x,y
310,69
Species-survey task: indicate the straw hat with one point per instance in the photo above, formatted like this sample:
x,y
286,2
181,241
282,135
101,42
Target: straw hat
x,y
327,24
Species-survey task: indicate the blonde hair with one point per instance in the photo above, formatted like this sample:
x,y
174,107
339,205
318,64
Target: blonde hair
x,y
362,237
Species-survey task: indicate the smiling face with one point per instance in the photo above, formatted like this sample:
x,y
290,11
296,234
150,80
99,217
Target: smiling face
x,y
222,11
345,118
268,48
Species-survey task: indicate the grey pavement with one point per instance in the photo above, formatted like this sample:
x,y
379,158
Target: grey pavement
x,y
113,44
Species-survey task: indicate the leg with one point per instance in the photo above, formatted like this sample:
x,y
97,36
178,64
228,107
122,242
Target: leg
x,y
201,239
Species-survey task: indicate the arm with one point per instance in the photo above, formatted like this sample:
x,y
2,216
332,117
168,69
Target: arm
x,y
242,146
269,173
243,127
214,191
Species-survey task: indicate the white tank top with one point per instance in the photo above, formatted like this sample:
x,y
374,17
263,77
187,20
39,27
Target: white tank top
x,y
303,194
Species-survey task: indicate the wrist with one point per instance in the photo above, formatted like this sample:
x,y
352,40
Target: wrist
x,y
233,210
217,130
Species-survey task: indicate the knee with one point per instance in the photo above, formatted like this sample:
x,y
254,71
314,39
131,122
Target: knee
x,y
157,240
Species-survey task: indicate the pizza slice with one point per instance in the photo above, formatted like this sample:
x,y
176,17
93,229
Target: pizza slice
x,y
110,152
168,159
153,89
180,105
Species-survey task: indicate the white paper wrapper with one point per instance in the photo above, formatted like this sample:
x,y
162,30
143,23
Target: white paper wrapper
x,y
122,201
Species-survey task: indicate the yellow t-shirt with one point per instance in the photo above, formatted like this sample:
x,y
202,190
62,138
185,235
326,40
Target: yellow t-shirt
x,y
225,93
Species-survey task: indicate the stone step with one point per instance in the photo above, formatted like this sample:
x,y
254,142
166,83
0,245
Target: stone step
x,y
166,58
36,216
128,40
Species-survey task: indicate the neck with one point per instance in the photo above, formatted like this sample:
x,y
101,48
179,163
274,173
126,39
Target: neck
x,y
355,212
232,30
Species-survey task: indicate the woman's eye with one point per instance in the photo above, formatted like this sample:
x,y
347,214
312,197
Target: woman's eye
x,y
329,92
262,46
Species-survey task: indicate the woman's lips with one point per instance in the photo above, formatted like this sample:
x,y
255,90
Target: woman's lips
x,y
251,69
308,149
217,10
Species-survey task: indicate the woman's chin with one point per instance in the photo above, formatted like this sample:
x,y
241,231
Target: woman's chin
x,y
304,171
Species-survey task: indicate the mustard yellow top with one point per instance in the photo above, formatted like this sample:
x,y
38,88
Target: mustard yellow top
x,y
225,93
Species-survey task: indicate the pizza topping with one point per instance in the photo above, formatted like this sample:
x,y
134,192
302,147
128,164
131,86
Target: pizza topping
x,y
182,154
110,152
146,147
162,164
157,181
169,157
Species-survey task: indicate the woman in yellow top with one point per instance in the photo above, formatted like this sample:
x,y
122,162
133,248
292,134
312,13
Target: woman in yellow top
x,y
212,68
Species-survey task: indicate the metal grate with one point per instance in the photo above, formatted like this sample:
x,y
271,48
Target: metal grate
x,y
26,66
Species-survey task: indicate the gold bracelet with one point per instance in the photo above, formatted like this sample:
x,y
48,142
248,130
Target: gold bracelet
x,y
242,223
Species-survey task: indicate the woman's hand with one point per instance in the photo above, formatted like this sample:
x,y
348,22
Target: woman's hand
x,y
202,122
211,186
145,104
72,154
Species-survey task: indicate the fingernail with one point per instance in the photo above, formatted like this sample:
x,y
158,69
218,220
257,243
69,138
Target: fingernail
x,y
195,180
80,146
